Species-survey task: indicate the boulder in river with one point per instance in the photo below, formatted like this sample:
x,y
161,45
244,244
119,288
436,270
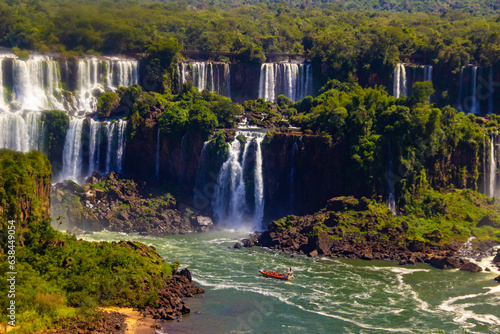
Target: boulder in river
x,y
471,267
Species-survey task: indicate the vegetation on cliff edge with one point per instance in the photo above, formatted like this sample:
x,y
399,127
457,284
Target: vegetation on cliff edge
x,y
58,275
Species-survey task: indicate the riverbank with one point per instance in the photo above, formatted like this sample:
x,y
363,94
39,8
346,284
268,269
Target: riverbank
x,y
367,230
348,295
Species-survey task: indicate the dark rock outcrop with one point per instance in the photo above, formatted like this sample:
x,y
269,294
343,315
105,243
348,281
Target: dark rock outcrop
x,y
121,205
103,322
445,262
171,305
472,267
331,233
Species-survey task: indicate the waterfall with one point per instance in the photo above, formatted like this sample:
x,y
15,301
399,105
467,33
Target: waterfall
x,y
290,79
36,84
121,73
3,105
13,132
391,200
227,76
21,132
230,203
259,185
88,81
94,146
399,86
475,108
114,135
157,166
493,167
207,75
34,130
428,73
72,152
120,149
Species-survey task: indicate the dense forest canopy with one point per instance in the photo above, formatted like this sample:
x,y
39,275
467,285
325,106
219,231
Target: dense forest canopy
x,y
332,31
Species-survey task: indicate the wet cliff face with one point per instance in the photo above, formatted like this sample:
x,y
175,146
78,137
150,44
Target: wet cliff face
x,y
244,81
178,157
302,172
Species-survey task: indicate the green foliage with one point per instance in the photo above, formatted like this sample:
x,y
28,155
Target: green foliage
x,y
56,123
57,272
106,102
421,137
355,38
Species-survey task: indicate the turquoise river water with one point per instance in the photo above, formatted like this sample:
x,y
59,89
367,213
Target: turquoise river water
x,y
327,296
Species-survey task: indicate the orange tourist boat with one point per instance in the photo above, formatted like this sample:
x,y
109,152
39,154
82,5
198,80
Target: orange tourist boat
x,y
274,274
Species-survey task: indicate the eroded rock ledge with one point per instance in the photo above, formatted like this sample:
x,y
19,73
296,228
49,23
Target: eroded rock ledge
x,y
360,229
121,205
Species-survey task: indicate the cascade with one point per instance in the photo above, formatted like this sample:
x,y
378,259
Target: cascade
x,y
120,149
112,134
391,200
97,75
3,105
399,86
290,79
227,75
21,132
215,77
475,108
230,204
267,82
72,152
121,73
493,167
36,84
259,185
94,146
157,165
485,173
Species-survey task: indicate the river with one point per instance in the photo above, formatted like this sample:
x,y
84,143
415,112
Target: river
x,y
328,295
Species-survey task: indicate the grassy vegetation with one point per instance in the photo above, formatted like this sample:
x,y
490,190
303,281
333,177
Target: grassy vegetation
x,y
58,275
432,218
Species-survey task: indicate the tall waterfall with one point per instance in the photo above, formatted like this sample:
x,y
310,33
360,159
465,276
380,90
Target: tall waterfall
x,y
476,90
232,203
36,84
215,77
399,86
290,79
391,199
94,146
72,153
493,168
108,134
3,105
21,132
406,75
